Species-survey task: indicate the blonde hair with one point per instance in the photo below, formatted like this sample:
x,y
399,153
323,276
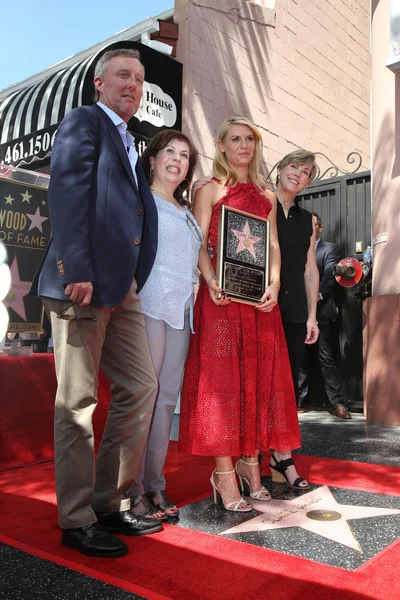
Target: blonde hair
x,y
300,157
221,168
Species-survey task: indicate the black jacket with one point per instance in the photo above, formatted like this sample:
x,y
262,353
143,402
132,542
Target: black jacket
x,y
327,257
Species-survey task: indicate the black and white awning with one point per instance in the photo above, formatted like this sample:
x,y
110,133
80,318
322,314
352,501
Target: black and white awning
x,y
29,117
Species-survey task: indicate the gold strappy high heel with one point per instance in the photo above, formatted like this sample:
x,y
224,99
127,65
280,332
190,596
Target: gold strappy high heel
x,y
255,495
233,506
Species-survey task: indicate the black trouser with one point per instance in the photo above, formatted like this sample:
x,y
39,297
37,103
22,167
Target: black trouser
x,y
326,359
295,335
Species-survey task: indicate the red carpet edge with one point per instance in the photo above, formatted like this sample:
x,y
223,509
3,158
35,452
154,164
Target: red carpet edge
x,y
181,563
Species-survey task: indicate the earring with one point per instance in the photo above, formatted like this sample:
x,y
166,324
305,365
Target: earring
x,y
151,173
184,190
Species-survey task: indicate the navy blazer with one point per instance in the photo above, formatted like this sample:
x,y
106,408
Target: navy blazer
x,y
327,257
104,229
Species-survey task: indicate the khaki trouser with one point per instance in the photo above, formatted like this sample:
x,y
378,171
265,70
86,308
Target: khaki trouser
x,y
118,343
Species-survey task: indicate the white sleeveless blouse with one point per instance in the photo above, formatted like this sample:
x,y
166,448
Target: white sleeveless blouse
x,y
168,292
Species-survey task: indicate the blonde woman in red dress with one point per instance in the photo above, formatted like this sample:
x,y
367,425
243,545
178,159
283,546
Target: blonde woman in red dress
x,y
237,395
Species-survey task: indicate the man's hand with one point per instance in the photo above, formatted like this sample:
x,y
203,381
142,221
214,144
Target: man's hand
x,y
312,331
80,293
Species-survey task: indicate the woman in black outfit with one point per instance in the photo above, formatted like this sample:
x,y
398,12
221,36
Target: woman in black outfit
x,y
298,295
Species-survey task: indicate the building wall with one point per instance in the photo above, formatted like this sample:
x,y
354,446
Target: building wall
x,y
300,70
382,311
385,134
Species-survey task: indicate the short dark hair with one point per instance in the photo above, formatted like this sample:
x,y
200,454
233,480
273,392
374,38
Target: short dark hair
x,y
319,220
159,142
104,61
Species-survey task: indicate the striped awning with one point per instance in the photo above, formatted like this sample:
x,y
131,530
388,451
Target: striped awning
x,y
30,117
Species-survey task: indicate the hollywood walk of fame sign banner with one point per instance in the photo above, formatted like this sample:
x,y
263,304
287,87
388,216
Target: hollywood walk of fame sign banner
x,y
243,255
25,231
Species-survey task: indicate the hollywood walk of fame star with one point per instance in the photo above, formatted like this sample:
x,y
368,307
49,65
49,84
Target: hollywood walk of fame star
x,y
246,240
9,199
18,289
26,196
36,220
279,514
43,202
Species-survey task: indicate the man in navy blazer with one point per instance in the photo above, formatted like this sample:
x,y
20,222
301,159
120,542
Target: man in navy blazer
x,y
104,225
327,257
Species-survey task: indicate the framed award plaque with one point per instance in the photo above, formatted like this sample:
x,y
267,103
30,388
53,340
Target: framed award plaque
x,y
243,255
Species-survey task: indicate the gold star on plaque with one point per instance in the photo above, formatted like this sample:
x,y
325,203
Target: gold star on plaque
x,y
9,199
26,196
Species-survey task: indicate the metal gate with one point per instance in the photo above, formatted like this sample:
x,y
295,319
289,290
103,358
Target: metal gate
x,y
344,204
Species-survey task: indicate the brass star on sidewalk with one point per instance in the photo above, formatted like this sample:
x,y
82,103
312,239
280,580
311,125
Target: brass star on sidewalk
x,y
279,514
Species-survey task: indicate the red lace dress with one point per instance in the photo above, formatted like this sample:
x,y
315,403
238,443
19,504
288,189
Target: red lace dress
x,y
237,395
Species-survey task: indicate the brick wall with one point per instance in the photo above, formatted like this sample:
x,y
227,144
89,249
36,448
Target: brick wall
x,y
299,69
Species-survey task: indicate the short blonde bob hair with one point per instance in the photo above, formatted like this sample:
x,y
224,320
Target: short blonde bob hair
x,y
299,157
221,168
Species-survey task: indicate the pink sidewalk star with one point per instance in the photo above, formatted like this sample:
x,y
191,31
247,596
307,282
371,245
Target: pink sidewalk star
x,y
278,514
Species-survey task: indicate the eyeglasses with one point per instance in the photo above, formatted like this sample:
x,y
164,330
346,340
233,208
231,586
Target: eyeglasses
x,y
193,228
91,318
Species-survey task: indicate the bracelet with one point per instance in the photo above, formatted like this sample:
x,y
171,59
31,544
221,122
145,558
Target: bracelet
x,y
278,283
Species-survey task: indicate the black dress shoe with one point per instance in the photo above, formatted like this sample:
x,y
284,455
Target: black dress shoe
x,y
341,412
128,523
93,540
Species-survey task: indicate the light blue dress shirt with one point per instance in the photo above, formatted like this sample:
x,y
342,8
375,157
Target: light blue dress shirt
x,y
126,137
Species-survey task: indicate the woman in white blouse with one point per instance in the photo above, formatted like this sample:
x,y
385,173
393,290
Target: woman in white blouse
x,y
167,303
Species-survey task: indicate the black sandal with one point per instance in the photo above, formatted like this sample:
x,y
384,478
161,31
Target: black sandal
x,y
278,473
165,504
150,510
